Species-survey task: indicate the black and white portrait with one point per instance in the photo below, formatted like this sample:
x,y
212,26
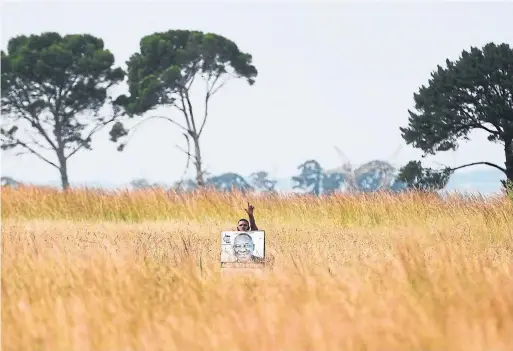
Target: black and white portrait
x,y
243,247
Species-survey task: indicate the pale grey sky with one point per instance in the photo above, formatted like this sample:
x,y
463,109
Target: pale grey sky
x,y
330,73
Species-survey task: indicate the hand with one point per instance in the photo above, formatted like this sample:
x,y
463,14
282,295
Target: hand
x,y
250,209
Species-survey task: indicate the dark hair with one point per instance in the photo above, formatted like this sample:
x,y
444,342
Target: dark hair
x,y
243,219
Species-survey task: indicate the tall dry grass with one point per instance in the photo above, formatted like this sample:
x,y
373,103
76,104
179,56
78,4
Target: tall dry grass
x,y
92,270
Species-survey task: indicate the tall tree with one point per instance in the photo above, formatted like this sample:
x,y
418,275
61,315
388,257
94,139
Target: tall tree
x,y
53,88
475,92
314,179
163,72
310,177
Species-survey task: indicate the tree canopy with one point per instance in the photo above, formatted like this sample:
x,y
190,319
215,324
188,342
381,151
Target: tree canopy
x,y
475,92
53,88
414,176
162,74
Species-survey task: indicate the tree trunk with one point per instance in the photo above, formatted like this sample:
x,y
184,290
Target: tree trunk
x,y
198,163
508,150
63,169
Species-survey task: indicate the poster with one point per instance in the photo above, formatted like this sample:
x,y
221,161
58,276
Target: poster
x,y
242,249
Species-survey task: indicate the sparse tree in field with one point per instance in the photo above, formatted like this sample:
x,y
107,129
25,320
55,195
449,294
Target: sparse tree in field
x,y
141,183
53,88
414,176
375,175
315,180
475,92
163,72
185,185
372,176
260,180
229,182
310,178
225,182
9,181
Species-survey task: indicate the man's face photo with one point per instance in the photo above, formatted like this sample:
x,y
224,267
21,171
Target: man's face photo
x,y
243,225
243,247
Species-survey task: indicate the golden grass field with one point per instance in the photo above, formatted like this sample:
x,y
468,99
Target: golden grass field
x,y
93,270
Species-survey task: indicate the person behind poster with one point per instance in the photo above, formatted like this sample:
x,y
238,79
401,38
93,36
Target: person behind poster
x,y
243,225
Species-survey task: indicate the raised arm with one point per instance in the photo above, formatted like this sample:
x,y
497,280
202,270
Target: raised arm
x,y
252,223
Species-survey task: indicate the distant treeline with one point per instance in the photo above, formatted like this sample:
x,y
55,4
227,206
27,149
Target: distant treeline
x,y
314,179
56,96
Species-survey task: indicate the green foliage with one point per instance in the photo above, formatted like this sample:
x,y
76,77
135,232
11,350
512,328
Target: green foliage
x,y
414,176
168,62
53,87
474,92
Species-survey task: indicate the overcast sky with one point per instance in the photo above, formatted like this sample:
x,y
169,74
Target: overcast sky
x,y
330,74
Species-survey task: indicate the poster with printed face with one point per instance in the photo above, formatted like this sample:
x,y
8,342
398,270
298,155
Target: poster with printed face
x,y
242,249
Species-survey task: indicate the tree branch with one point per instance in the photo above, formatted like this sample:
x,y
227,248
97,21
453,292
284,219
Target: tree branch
x,y
37,143
188,153
487,96
471,116
479,163
189,104
192,77
96,129
210,92
207,98
134,128
184,110
216,89
31,117
481,126
34,152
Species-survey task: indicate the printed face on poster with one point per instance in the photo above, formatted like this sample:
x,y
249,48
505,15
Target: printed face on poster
x,y
242,249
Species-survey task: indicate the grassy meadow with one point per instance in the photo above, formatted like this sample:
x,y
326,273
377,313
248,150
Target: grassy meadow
x,y
98,270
